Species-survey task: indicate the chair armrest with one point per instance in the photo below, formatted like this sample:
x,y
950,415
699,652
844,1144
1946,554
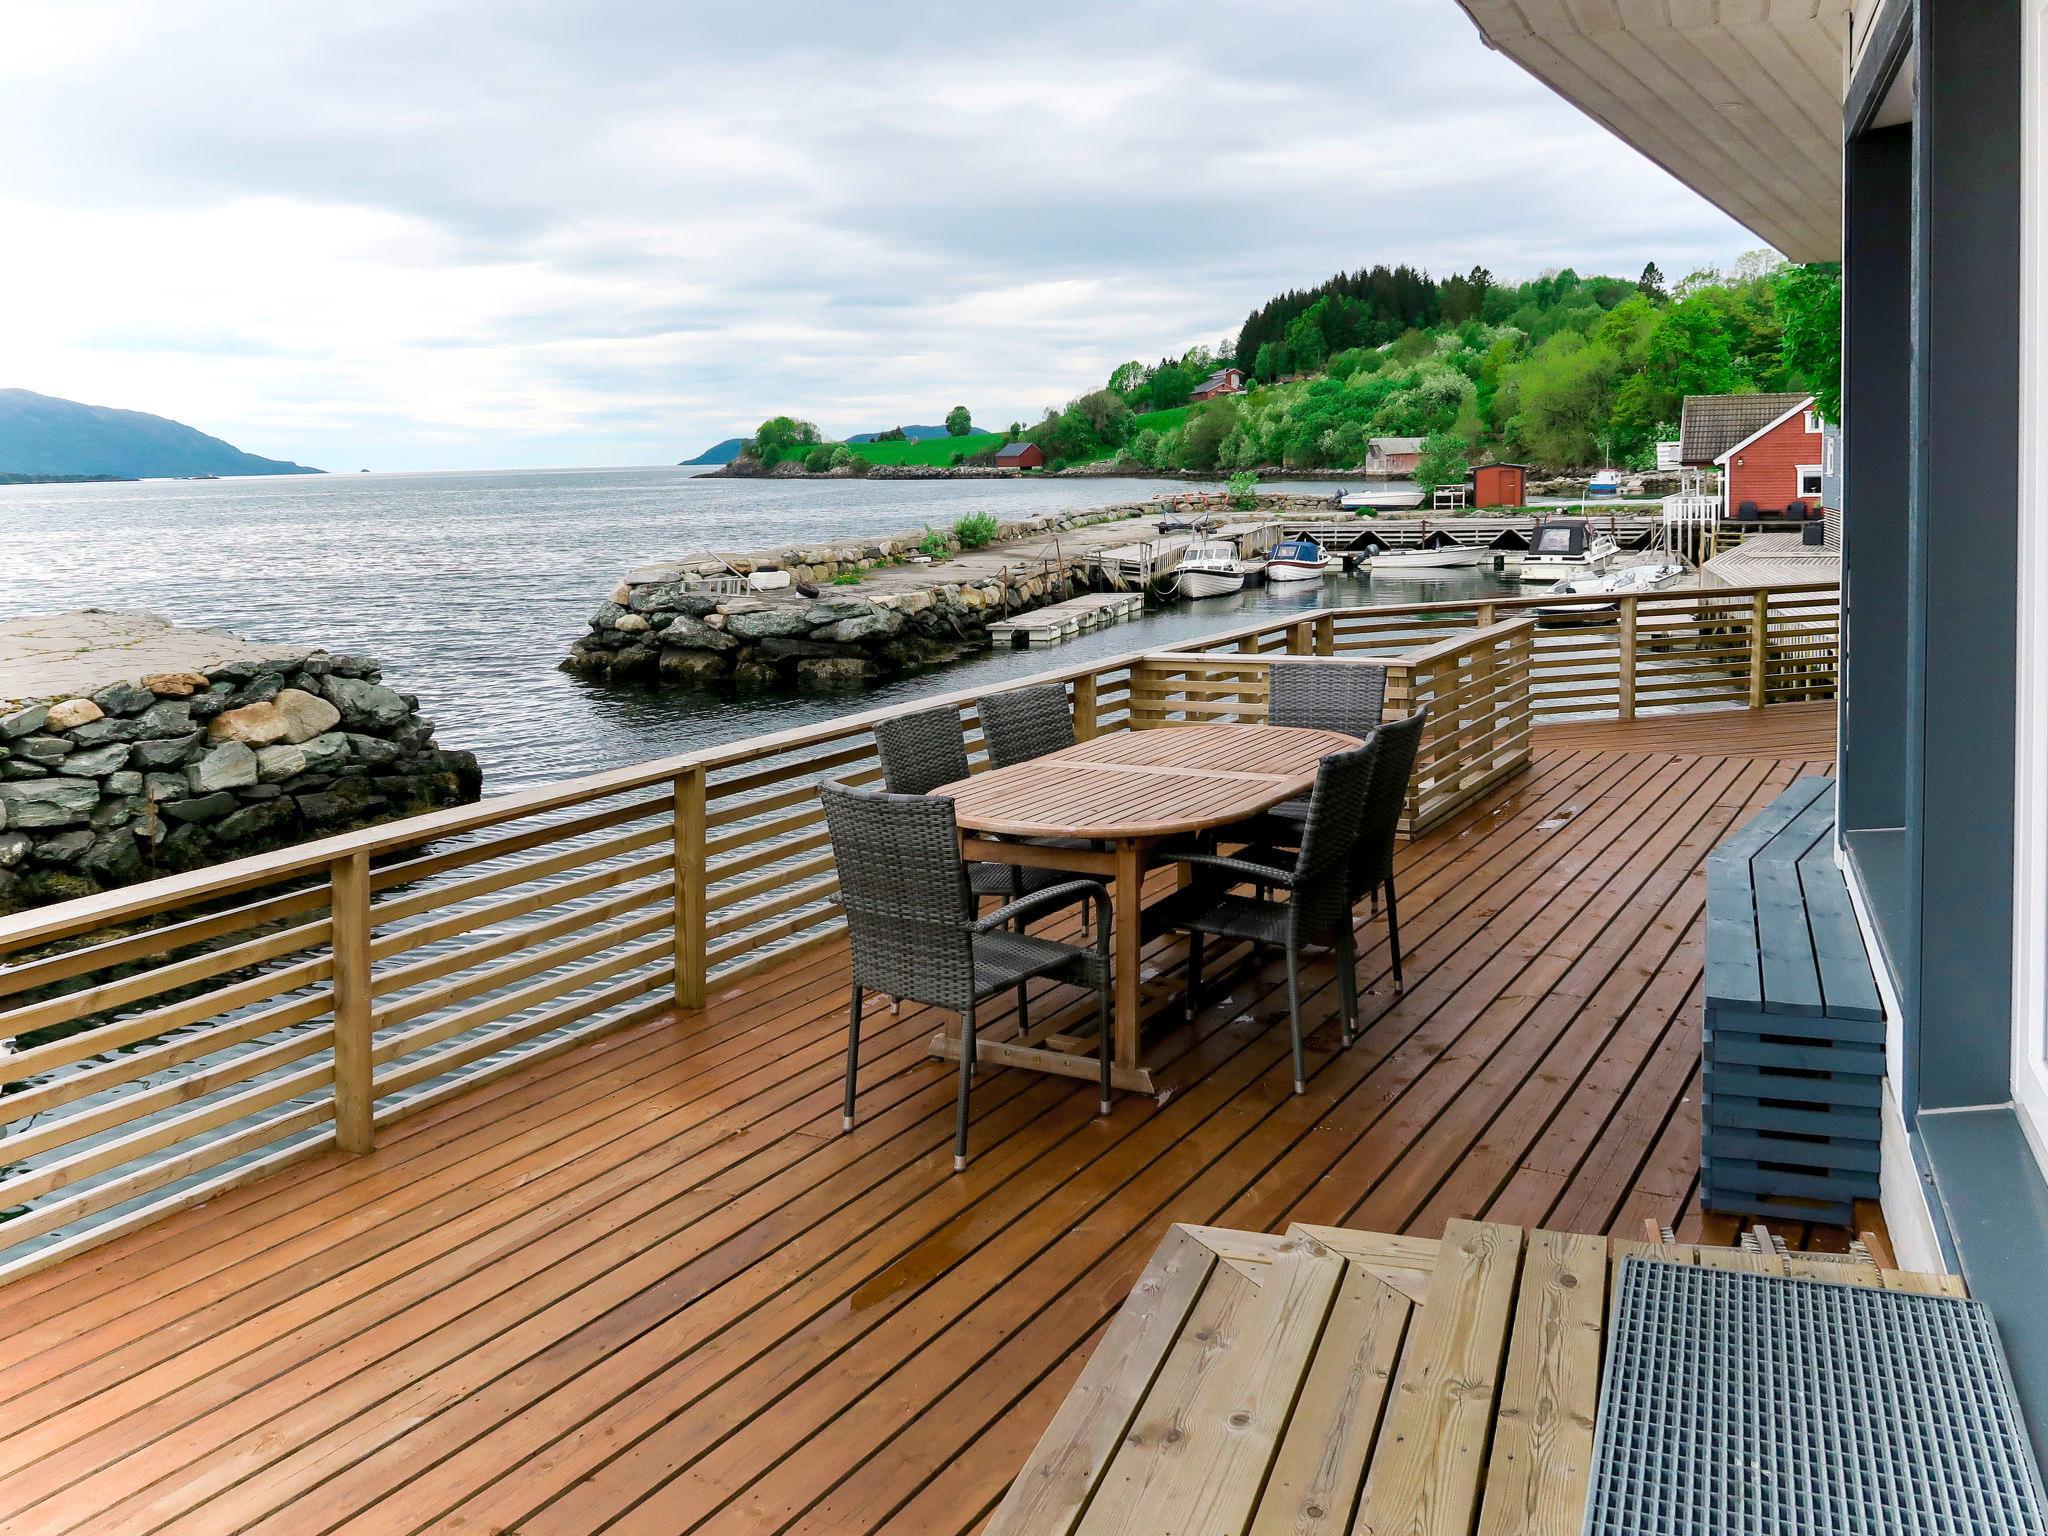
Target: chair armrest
x,y
1244,869
1052,896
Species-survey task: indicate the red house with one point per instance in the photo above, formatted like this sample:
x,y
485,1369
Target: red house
x,y
1769,449
1020,456
1224,381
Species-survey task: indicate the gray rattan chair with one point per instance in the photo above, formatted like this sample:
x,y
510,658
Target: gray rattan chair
x,y
1323,696
1022,723
910,921
921,751
1317,880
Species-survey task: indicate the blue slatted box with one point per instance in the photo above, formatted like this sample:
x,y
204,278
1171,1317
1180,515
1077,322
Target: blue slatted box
x,y
1793,1054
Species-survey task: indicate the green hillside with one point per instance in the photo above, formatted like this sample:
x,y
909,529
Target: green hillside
x,y
43,436
937,450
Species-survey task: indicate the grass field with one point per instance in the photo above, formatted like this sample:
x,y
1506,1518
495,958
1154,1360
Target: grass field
x,y
936,450
1161,421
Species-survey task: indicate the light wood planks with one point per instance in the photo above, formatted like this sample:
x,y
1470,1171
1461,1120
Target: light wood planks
x,y
648,1282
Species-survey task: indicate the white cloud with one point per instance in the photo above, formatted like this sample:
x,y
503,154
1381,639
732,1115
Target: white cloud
x,y
469,232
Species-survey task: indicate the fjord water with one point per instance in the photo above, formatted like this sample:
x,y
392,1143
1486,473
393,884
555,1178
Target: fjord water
x,y
469,587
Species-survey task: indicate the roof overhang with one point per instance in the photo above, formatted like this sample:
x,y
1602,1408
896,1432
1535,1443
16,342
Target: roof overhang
x,y
1766,430
1739,99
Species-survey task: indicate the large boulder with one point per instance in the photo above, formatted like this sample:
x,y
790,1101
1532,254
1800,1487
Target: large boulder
x,y
72,713
831,610
162,751
305,715
113,858
231,765
14,847
831,674
695,634
766,623
48,802
691,668
123,699
294,716
873,625
174,685
364,706
326,753
253,823
275,764
200,808
96,762
23,722
671,597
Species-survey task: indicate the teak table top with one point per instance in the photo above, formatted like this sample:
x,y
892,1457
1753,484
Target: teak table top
x,y
1145,784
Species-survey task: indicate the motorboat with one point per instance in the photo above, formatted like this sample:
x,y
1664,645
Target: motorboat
x,y
1210,568
1627,581
1447,554
1604,483
1297,560
1564,547
1395,500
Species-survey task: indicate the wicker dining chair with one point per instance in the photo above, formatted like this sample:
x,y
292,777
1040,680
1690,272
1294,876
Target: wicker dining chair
x,y
911,924
1323,696
1316,878
1022,723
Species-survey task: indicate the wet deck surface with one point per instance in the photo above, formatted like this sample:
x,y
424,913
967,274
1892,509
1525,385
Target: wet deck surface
x,y
647,1286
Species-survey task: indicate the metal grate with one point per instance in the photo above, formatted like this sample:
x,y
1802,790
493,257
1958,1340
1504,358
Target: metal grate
x,y
1748,1403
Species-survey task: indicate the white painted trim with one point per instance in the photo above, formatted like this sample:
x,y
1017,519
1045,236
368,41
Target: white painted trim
x,y
2029,1050
1812,422
1902,1192
1805,404
1819,473
1887,994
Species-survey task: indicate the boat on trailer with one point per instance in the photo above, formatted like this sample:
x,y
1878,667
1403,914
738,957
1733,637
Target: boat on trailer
x,y
1297,560
1210,568
1565,547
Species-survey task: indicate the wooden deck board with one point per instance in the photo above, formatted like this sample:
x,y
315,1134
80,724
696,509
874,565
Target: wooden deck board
x,y
647,1285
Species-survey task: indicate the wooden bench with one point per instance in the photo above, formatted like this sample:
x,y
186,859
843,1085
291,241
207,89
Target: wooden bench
x,y
1793,1046
1264,1384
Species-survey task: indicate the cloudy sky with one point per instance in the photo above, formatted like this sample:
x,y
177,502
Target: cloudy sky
x,y
461,233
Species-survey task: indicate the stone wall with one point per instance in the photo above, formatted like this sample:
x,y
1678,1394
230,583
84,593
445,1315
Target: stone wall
x,y
180,769
655,629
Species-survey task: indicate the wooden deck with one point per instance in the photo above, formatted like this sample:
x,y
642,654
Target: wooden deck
x,y
645,1286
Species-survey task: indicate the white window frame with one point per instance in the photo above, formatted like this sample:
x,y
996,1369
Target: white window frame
x,y
2030,807
1813,423
1819,477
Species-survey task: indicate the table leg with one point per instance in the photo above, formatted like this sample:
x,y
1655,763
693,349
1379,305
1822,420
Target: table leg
x,y
1127,897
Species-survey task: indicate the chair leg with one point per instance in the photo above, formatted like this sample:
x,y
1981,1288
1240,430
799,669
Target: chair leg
x,y
852,1055
966,1081
1347,981
1102,1039
1394,933
1294,1015
1193,997
1023,1012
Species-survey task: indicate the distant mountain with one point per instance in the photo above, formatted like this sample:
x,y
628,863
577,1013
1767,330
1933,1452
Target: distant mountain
x,y
915,434
720,453
40,435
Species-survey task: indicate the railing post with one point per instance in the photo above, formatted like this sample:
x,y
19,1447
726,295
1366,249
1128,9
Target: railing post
x,y
1086,707
691,878
1326,634
1759,656
1485,615
1625,662
1298,639
355,1091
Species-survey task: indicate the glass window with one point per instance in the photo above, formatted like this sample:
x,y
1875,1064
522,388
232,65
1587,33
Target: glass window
x,y
1809,482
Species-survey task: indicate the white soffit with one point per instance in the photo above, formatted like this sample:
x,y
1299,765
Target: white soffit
x,y
1739,99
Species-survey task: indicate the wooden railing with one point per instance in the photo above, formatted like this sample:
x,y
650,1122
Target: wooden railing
x,y
174,1039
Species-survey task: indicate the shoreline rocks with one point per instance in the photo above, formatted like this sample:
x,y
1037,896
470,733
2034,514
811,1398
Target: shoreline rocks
x,y
176,770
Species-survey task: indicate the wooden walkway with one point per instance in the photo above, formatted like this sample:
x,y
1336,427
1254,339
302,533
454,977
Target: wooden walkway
x,y
646,1286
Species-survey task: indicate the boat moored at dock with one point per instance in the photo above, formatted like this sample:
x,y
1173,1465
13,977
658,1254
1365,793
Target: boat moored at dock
x,y
1564,547
1210,568
1298,560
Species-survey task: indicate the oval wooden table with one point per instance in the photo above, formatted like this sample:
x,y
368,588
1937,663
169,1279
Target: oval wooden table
x,y
1130,791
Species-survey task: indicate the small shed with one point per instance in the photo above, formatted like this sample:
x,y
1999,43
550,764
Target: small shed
x,y
1500,485
1020,456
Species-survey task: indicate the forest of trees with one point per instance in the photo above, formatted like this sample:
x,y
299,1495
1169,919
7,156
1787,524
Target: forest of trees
x,y
1561,371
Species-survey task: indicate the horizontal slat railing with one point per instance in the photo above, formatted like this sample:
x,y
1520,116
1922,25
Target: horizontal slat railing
x,y
167,1041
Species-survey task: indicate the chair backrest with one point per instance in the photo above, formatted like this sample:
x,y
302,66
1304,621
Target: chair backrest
x,y
904,888
1398,742
1322,870
921,751
1022,723
1326,696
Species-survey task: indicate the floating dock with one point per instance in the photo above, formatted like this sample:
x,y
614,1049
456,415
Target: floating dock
x,y
1060,622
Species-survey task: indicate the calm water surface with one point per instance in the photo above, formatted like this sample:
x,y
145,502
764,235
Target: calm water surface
x,y
470,587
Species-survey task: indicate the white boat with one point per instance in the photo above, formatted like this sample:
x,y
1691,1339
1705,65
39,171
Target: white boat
x,y
1627,581
1605,482
1381,501
1210,568
1297,560
1428,560
1564,547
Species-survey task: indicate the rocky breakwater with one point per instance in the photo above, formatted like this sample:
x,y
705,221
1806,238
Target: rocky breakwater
x,y
668,625
176,769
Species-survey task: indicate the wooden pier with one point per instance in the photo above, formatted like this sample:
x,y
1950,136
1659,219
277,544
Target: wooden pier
x,y
1060,622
